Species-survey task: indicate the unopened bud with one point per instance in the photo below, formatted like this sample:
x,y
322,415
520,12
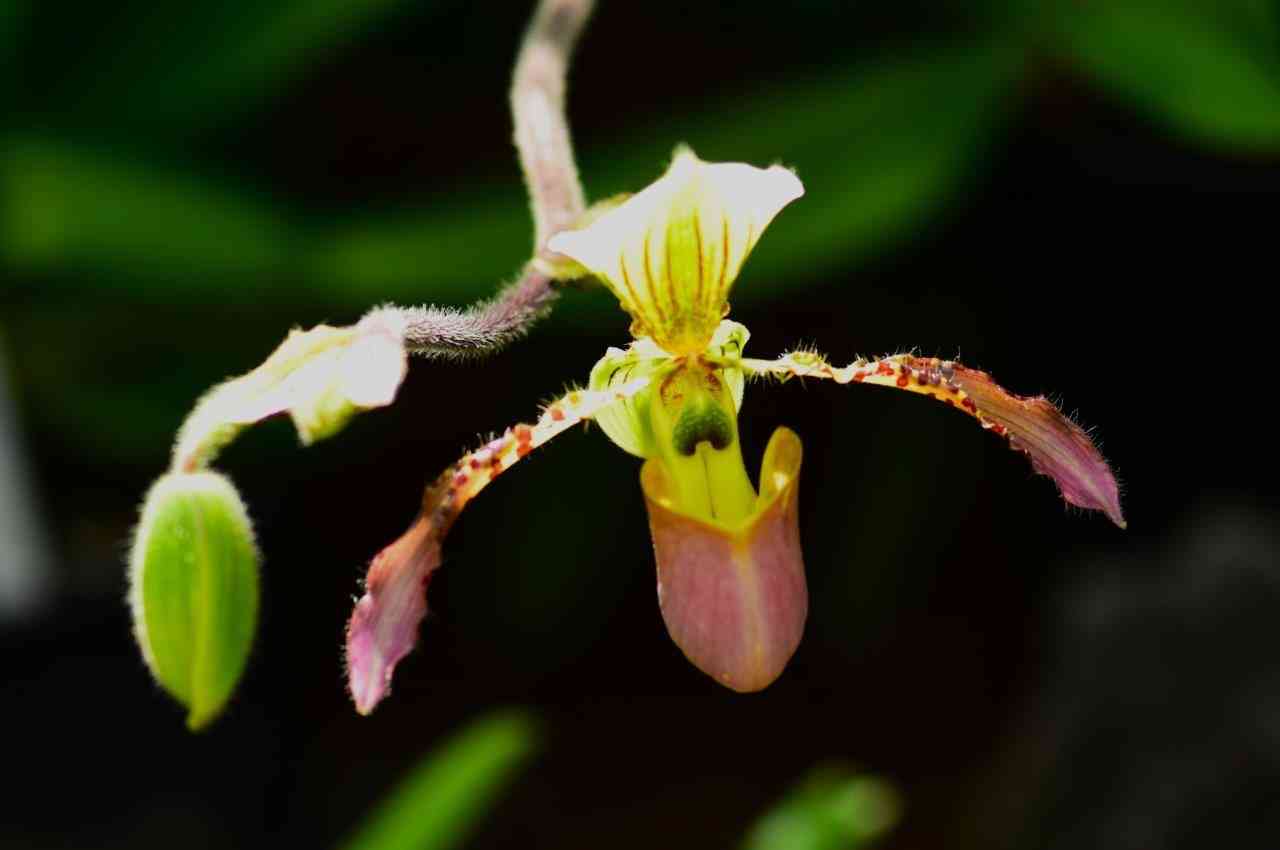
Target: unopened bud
x,y
193,576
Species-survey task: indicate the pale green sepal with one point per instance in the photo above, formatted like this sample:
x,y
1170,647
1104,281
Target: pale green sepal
x,y
321,377
193,589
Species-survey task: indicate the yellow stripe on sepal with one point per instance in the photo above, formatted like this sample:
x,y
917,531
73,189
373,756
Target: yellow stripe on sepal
x,y
672,252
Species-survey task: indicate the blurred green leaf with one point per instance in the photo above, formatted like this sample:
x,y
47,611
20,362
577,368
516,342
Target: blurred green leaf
x,y
894,144
1210,71
832,809
878,149
442,799
193,576
179,68
66,207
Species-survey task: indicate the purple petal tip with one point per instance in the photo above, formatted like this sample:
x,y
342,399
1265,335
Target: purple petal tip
x,y
384,625
1057,447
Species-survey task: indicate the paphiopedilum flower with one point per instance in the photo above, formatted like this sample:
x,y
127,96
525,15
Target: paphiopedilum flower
x,y
731,582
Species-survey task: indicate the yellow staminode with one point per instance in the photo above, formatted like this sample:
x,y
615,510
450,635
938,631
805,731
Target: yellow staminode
x,y
672,252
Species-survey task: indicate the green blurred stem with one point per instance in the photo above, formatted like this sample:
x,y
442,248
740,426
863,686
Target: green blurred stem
x,y
443,799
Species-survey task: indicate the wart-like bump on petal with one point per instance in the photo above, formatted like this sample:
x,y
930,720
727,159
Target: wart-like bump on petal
x,y
734,599
384,625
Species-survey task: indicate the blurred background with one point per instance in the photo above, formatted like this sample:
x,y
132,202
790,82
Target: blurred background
x,y
1077,196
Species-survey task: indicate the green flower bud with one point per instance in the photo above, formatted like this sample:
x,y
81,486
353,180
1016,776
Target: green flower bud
x,y
193,575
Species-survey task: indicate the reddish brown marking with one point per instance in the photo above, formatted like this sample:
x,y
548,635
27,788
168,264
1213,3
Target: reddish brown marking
x,y
523,449
885,369
903,380
969,404
859,376
523,433
556,414
998,428
949,401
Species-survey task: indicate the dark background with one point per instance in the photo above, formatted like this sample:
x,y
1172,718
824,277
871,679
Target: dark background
x,y
1027,675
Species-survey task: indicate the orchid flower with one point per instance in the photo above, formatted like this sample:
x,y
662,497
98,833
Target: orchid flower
x,y
731,583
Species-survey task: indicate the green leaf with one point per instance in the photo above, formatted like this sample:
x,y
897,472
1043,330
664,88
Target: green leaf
x,y
832,809
442,799
1208,71
193,575
66,207
180,68
897,141
878,148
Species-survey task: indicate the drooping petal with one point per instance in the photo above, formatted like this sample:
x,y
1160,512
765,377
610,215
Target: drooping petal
x,y
1056,446
733,597
671,252
321,377
384,625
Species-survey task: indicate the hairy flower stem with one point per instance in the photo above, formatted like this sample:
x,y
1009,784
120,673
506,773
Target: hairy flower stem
x,y
480,329
541,130
555,195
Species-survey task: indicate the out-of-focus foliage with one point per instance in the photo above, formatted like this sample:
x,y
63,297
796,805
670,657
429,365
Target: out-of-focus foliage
x,y
444,798
65,206
916,124
1208,70
447,796
879,142
179,69
832,809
